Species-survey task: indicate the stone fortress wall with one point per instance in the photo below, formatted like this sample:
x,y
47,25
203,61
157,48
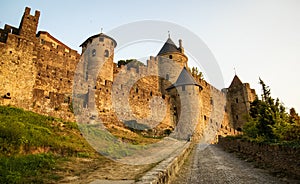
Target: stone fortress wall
x,y
36,69
37,73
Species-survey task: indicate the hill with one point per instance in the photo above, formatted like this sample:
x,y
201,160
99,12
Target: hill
x,y
42,149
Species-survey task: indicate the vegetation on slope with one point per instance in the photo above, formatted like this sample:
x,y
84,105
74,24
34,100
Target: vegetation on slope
x,y
32,145
41,149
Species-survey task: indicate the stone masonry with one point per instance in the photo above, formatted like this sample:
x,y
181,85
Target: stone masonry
x,y
39,73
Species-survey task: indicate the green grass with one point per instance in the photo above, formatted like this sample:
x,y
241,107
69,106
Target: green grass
x,y
23,132
31,145
41,149
25,168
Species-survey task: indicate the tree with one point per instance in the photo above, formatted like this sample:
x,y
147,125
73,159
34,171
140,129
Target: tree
x,y
268,120
294,117
197,73
132,63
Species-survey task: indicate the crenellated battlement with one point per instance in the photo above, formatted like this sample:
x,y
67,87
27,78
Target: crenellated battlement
x,y
40,73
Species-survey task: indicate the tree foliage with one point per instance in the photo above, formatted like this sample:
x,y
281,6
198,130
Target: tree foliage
x,y
268,120
133,63
197,73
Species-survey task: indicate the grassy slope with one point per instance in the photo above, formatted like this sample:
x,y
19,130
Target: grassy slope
x,y
32,145
41,149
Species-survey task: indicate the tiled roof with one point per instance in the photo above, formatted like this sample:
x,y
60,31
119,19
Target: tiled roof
x,y
168,47
184,78
236,81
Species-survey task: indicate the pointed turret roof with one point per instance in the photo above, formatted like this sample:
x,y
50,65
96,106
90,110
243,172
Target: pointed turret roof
x,y
168,47
184,78
236,81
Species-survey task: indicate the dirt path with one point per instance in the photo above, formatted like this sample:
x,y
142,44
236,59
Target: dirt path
x,y
210,164
102,170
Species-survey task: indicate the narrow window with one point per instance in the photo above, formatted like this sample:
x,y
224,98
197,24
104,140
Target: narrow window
x,y
204,117
94,52
237,100
170,57
101,39
183,88
237,117
106,53
167,77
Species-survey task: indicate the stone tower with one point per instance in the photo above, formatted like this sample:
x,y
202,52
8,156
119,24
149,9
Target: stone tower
x,y
171,51
187,98
29,24
97,55
239,95
18,57
172,61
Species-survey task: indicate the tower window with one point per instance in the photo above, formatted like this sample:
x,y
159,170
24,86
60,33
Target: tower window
x,y
204,117
211,101
237,100
94,52
183,88
101,39
167,77
170,57
106,53
237,117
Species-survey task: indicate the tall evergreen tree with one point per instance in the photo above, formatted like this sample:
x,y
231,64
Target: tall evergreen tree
x,y
268,120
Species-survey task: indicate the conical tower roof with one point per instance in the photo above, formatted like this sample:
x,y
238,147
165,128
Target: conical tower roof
x,y
168,47
236,82
184,78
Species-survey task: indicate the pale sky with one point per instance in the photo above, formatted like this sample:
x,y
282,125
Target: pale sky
x,y
260,38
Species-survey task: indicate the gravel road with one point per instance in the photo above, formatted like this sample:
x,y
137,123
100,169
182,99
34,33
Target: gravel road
x,y
210,164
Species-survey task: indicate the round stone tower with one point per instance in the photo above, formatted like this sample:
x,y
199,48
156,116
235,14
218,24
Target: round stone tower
x,y
97,67
171,51
98,53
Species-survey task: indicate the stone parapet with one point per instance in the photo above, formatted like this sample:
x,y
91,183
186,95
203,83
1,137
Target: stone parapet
x,y
165,170
282,159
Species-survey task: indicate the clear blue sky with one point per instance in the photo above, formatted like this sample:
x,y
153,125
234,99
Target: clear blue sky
x,y
260,38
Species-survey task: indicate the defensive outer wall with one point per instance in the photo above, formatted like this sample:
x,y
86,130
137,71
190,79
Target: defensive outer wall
x,y
37,73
